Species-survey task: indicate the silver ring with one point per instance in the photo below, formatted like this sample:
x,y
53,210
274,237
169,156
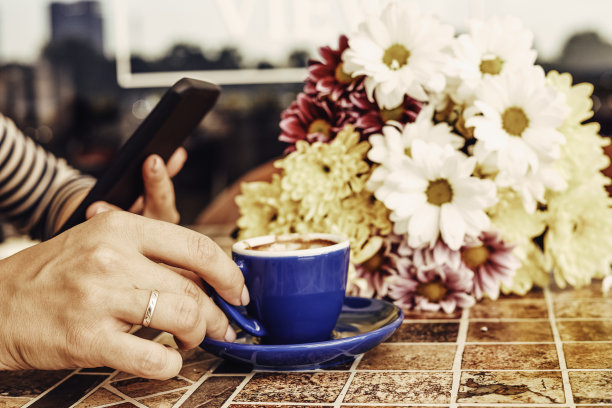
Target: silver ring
x,y
146,321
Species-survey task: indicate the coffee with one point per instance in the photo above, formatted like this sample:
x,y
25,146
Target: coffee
x,y
293,244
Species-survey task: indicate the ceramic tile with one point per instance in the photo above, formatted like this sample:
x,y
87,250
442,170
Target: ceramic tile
x,y
391,406
586,308
510,357
588,355
140,387
8,402
414,332
592,291
69,391
194,371
100,397
522,331
198,355
320,387
163,400
422,315
213,392
400,388
29,383
409,357
585,330
231,367
276,406
512,308
591,387
541,387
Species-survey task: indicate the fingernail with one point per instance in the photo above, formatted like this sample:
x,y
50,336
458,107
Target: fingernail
x,y
155,164
244,296
230,335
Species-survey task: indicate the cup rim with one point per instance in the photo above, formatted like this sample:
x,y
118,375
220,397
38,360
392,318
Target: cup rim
x,y
241,248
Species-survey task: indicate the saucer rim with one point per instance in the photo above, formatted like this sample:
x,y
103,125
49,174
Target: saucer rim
x,y
326,343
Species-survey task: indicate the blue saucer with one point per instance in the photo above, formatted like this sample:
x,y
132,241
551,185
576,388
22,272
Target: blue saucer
x,y
363,324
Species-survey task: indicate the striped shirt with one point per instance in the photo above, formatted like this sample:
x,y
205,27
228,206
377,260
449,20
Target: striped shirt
x,y
34,184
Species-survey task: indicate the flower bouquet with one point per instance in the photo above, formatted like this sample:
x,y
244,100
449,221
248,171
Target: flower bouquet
x,y
455,165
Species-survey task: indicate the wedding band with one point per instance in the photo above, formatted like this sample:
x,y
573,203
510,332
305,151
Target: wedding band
x,y
146,321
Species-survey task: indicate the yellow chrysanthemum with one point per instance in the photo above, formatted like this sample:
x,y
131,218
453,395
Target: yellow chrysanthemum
x,y
577,245
509,217
262,211
532,272
320,173
577,97
362,219
582,157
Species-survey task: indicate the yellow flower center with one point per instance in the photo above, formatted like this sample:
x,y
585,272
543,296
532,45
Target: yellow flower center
x,y
341,75
320,126
392,114
434,291
396,56
374,263
491,66
475,256
439,192
514,121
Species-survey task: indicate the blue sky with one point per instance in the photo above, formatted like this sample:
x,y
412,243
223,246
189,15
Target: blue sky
x,y
267,29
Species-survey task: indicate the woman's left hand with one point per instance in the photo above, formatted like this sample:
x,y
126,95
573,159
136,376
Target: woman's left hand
x,y
158,200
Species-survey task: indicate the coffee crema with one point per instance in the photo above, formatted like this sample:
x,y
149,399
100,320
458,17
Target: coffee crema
x,y
293,244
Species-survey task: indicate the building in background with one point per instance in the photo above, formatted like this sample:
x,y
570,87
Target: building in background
x,y
80,21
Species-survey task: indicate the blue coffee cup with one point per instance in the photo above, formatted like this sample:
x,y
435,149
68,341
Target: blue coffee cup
x,y
296,294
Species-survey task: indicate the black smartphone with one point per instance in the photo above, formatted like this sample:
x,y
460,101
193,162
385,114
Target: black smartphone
x,y
175,116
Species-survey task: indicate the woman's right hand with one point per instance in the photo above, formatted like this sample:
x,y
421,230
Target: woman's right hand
x,y
70,301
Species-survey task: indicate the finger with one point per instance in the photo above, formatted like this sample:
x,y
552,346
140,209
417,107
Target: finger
x,y
189,314
187,274
181,247
187,319
137,356
176,161
100,207
159,191
138,206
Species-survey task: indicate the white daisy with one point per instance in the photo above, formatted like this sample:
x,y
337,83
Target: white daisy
x,y
396,139
433,194
399,52
518,116
489,48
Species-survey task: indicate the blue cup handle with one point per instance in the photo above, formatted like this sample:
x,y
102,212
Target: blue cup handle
x,y
246,323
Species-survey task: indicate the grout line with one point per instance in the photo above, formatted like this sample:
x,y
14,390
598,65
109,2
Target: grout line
x,y
245,381
125,397
194,386
164,392
352,371
569,397
48,390
461,340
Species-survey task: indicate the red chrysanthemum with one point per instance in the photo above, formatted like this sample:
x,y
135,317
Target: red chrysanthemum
x,y
371,118
493,263
327,78
312,119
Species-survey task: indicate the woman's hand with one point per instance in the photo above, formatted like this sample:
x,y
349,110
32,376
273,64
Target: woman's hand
x,y
158,200
70,301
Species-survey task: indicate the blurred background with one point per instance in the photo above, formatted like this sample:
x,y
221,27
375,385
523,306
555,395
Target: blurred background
x,y
79,76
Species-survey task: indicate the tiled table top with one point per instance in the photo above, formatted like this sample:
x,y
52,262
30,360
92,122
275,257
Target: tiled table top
x,y
551,348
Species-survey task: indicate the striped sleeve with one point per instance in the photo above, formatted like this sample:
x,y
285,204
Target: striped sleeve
x,y
34,184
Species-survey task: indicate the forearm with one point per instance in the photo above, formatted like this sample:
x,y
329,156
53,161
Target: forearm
x,y
35,186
